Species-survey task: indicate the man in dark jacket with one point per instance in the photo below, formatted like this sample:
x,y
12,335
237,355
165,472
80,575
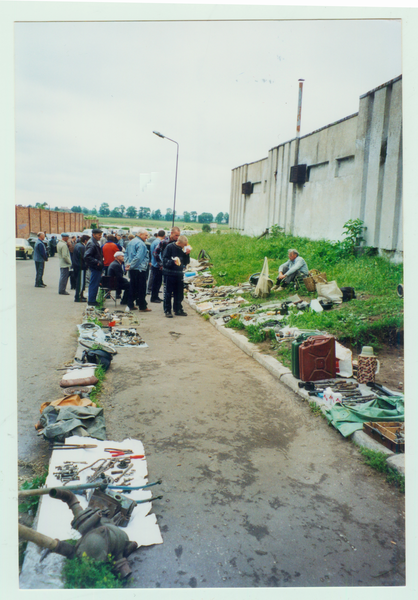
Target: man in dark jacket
x,y
40,256
115,271
52,246
93,259
175,259
79,268
158,252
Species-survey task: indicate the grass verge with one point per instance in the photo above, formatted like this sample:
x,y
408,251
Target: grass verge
x,y
100,373
30,503
375,317
378,461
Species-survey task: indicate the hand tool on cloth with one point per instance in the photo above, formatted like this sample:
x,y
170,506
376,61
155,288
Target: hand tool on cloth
x,y
59,446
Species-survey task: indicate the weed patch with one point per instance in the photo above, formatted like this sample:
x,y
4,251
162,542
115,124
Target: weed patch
x,y
378,461
87,573
100,373
30,503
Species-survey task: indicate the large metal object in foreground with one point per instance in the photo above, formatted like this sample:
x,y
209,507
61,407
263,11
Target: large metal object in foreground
x,y
100,537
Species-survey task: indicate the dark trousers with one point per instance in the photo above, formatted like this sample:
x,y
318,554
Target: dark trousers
x,y
73,279
80,283
157,278
64,274
125,286
173,288
138,281
286,280
95,277
39,266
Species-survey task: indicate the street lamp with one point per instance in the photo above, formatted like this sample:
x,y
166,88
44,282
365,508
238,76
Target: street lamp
x,y
177,163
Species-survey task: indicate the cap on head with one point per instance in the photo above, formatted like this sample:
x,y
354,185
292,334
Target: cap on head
x,y
64,235
118,254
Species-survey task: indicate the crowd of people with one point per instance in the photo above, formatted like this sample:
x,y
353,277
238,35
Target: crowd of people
x,y
135,265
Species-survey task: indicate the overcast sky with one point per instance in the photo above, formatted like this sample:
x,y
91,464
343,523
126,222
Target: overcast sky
x,y
89,95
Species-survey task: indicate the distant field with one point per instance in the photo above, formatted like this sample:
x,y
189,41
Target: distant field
x,y
151,223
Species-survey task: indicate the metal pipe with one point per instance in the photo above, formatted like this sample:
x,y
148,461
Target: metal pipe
x,y
53,545
73,488
299,116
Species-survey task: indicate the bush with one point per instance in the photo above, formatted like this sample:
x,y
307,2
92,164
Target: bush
x,y
206,228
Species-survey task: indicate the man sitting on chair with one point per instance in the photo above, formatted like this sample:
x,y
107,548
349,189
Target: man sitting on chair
x,y
121,283
291,269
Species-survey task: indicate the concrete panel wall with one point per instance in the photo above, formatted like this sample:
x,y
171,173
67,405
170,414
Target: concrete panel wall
x,y
354,171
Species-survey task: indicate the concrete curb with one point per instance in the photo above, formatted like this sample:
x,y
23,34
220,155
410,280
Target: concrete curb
x,y
284,375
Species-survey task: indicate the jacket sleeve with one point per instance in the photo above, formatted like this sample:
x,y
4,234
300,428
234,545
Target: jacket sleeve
x,y
157,253
66,255
299,262
90,258
167,261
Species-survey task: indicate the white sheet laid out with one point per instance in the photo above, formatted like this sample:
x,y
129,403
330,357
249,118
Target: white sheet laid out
x,y
54,515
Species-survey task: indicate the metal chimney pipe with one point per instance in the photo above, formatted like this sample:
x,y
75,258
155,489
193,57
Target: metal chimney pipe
x,y
299,118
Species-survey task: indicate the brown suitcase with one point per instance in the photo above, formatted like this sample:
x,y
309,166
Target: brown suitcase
x,y
317,358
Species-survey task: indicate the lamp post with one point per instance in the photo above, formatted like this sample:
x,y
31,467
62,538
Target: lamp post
x,y
177,163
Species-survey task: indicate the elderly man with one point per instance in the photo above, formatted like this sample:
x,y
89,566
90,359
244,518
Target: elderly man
x,y
175,259
289,270
136,262
158,252
115,271
79,268
65,264
40,256
93,259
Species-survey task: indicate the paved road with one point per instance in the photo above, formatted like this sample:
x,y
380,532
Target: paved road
x,y
46,339
258,492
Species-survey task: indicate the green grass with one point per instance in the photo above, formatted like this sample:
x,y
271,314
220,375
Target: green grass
x,y
377,314
152,223
100,373
378,461
30,503
87,573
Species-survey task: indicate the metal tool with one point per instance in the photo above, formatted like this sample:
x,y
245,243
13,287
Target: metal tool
x,y
58,446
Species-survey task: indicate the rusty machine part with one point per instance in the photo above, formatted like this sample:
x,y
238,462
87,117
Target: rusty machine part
x,y
100,536
112,505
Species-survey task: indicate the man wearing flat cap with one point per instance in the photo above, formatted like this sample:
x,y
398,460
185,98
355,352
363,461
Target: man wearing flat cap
x,y
93,259
136,262
115,271
65,263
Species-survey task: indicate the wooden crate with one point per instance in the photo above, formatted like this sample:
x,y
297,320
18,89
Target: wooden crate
x,y
385,433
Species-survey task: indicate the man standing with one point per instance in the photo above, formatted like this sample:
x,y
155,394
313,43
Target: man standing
x,y
52,246
156,269
136,263
173,237
289,270
40,256
115,271
65,264
93,259
79,268
174,262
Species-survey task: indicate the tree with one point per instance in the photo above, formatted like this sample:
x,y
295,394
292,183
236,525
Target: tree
x,y
94,211
157,214
206,228
76,209
226,217
116,213
121,209
104,210
168,214
186,217
219,217
42,206
193,216
205,218
146,213
131,212
85,210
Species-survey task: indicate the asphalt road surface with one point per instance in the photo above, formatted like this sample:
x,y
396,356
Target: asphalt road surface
x,y
257,490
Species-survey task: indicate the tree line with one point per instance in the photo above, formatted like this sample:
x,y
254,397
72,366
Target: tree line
x,y
144,212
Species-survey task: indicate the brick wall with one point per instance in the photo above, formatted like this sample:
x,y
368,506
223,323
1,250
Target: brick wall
x,y
33,220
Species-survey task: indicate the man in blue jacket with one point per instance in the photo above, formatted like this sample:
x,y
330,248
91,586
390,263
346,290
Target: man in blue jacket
x,y
136,263
40,256
93,259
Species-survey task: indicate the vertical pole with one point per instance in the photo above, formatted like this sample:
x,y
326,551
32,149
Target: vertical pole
x,y
298,121
175,182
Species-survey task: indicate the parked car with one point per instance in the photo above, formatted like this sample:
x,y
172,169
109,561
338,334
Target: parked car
x,y
34,238
23,249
